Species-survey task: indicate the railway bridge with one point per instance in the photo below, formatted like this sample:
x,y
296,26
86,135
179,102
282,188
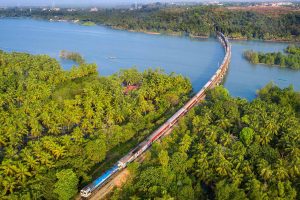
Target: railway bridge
x,y
103,184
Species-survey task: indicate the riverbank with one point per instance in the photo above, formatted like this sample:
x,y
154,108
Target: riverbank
x,y
171,33
151,32
261,40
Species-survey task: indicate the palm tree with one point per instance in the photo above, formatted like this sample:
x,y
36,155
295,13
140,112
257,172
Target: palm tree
x,y
246,167
45,159
224,123
46,118
281,173
236,177
9,184
223,166
266,173
271,126
8,168
58,151
22,173
293,149
265,137
2,140
265,170
203,165
32,162
211,133
281,170
36,128
221,170
294,167
226,139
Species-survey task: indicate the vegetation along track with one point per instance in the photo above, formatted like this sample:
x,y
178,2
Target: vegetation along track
x,y
110,176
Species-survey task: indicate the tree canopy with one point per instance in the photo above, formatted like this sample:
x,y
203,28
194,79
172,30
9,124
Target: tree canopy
x,y
291,59
226,148
57,127
66,185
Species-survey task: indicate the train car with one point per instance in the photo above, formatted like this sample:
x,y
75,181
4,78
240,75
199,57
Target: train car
x,y
158,133
200,93
191,103
218,71
133,154
88,190
176,116
213,78
206,85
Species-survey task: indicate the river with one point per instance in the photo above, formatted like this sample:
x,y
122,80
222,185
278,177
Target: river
x,y
113,50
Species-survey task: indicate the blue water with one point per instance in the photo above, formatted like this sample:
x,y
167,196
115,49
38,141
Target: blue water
x,y
196,59
244,78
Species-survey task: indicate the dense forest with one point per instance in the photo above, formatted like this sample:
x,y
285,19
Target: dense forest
x,y
226,148
291,59
57,126
199,21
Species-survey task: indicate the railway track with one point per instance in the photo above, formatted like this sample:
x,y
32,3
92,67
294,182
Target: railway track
x,y
106,182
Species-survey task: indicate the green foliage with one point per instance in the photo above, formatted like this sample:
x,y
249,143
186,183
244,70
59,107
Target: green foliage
x,y
76,57
88,23
96,150
66,185
252,57
218,93
246,135
131,76
227,191
286,97
227,148
163,158
53,120
291,60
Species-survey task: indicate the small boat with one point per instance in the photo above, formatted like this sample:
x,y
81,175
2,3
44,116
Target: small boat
x,y
112,57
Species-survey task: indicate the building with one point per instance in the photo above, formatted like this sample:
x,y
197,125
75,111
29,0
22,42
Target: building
x,y
71,10
55,9
94,9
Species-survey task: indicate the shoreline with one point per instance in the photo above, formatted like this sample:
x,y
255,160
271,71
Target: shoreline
x,y
177,33
78,22
274,65
196,36
260,40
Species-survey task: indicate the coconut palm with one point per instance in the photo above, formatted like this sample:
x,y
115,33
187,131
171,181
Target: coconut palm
x,y
22,173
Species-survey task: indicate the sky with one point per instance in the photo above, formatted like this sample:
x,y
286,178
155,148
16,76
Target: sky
x,y
88,2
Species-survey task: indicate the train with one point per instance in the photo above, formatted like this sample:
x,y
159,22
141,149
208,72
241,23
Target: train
x,y
142,147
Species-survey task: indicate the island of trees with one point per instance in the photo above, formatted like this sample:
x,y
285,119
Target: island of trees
x,y
290,59
195,21
225,149
58,127
74,56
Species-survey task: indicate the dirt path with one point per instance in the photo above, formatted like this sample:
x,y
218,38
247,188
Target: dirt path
x,y
117,181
